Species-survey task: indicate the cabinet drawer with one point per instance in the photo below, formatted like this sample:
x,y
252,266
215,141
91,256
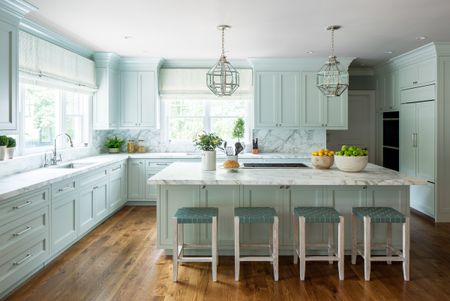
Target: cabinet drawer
x,y
115,168
93,177
418,94
16,265
19,231
26,203
64,187
158,165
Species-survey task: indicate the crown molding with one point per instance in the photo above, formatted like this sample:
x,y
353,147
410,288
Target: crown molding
x,y
54,38
295,64
106,60
201,64
16,8
140,63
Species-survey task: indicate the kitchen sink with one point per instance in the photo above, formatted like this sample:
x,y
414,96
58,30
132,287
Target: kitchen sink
x,y
74,165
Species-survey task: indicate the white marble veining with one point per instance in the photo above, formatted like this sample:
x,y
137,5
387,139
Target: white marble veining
x,y
191,174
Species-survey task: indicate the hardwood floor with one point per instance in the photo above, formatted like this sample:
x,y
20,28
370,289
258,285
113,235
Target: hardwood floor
x,y
119,261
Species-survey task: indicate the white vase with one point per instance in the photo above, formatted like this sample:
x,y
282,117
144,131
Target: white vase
x,y
10,152
209,160
2,152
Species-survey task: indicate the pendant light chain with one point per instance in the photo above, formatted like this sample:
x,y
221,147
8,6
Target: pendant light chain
x,y
332,42
223,41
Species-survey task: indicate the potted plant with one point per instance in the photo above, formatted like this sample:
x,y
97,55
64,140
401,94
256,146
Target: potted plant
x,y
10,147
208,144
114,144
238,133
3,144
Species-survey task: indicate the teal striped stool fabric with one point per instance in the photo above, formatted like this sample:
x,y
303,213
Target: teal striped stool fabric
x,y
255,215
196,215
318,214
379,214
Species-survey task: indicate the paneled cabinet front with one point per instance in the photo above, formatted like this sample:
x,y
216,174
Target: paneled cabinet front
x,y
277,101
421,73
136,180
64,221
106,101
319,111
93,205
138,99
8,77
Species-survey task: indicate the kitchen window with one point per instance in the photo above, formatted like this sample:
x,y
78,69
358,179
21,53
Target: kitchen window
x,y
186,117
49,111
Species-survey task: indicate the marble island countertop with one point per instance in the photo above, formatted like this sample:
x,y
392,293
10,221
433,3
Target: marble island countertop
x,y
181,173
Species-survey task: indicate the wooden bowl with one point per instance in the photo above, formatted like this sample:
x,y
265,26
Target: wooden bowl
x,y
322,162
351,164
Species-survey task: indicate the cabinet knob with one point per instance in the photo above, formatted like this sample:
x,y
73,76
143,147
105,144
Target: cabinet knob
x,y
282,186
415,82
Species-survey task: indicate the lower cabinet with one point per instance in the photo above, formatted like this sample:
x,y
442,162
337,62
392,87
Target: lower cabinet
x,y
117,186
93,205
136,180
64,222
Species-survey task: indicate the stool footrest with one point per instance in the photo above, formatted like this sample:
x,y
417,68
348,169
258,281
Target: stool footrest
x,y
253,246
321,258
256,258
195,259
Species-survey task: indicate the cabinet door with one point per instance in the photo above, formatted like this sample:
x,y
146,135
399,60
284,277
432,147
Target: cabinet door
x,y
8,77
427,71
425,149
116,185
100,201
225,198
262,196
312,102
129,99
289,111
336,112
422,198
136,175
64,222
408,77
391,97
147,90
151,190
267,99
100,105
406,139
114,95
86,215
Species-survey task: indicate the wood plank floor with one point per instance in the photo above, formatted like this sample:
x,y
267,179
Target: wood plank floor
x,y
119,261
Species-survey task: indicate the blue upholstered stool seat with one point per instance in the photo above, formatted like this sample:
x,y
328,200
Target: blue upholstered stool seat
x,y
255,215
318,214
196,215
379,214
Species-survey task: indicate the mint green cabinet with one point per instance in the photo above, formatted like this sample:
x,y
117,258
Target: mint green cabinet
x,y
93,205
277,99
391,94
136,180
421,73
8,77
138,99
106,102
64,221
319,111
117,186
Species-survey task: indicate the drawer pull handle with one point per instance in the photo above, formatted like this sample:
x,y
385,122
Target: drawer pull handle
x,y
162,164
28,228
29,255
117,168
95,187
27,203
65,188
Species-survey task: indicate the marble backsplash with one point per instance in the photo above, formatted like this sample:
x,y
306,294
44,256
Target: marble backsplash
x,y
270,140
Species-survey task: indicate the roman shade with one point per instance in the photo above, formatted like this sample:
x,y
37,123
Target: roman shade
x,y
40,60
186,82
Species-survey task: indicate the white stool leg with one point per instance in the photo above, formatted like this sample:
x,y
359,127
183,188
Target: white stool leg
x,y
214,248
341,247
270,228
406,242
302,246
236,249
330,241
367,248
175,250
354,237
275,248
389,241
295,242
181,239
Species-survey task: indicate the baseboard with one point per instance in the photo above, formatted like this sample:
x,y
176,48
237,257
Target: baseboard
x,y
141,203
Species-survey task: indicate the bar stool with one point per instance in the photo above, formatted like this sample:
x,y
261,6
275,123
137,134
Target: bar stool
x,y
386,215
256,215
323,215
194,215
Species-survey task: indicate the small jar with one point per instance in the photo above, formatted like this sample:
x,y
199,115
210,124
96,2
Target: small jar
x,y
130,146
141,146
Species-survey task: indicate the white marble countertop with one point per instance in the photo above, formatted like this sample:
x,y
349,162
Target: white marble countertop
x,y
197,155
181,173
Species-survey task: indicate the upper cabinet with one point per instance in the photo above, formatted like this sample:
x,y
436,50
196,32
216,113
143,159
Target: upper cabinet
x,y
317,110
8,77
277,99
417,74
388,91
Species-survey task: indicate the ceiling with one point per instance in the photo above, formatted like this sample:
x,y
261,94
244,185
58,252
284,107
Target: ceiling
x,y
181,29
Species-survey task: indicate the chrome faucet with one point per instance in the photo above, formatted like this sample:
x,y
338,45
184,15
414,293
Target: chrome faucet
x,y
54,159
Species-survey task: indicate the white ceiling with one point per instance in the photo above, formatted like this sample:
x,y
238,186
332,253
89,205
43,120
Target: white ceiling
x,y
182,29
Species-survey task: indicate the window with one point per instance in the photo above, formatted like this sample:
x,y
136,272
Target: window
x,y
48,112
186,117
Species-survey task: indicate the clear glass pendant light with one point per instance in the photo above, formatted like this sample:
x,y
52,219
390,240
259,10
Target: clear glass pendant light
x,y
223,79
331,79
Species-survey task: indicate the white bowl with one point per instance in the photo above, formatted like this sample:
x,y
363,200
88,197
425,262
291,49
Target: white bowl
x,y
351,164
322,162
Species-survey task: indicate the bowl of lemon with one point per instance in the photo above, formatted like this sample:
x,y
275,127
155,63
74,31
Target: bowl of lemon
x,y
322,159
352,158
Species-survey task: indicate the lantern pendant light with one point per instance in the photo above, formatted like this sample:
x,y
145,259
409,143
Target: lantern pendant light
x,y
331,79
223,79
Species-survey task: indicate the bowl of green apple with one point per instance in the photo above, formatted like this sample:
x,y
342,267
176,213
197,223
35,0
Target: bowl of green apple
x,y
351,158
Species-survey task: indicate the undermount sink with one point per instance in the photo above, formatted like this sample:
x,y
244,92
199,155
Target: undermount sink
x,y
74,165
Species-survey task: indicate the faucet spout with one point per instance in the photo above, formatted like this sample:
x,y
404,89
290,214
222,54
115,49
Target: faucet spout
x,y
55,159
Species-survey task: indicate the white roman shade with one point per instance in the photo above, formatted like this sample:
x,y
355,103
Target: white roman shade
x,y
185,82
42,60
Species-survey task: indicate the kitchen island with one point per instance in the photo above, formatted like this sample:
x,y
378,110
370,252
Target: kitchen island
x,y
186,185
